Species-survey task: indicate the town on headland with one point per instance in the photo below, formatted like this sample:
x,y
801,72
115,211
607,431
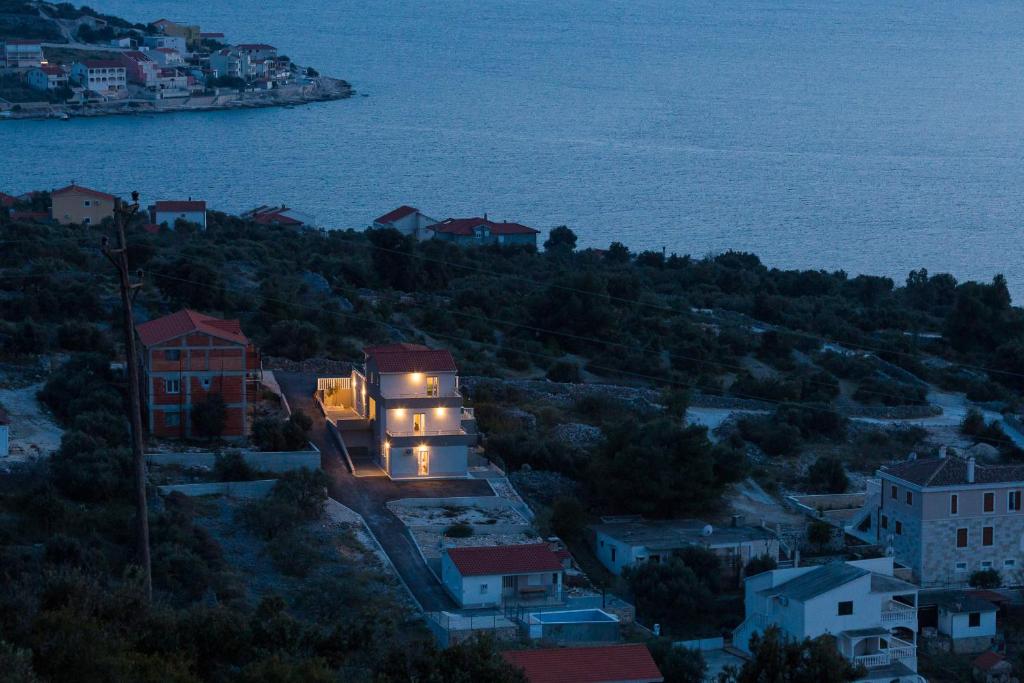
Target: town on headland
x,y
58,61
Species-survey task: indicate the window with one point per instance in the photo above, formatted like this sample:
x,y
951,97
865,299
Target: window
x,y
172,355
483,589
845,608
86,203
961,566
910,498
974,619
172,419
433,386
424,461
172,386
419,421
986,565
1013,501
954,503
899,527
892,492
613,554
961,538
884,522
205,381
986,535
1009,564
990,502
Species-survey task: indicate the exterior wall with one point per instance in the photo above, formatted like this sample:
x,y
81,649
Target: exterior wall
x,y
473,240
486,591
172,42
414,384
22,55
206,365
820,615
605,547
40,80
965,638
929,531
627,555
5,443
444,461
80,208
191,216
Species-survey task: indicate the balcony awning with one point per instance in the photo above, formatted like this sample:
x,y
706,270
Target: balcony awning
x,y
866,632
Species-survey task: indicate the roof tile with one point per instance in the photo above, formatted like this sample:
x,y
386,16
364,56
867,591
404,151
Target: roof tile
x,y
185,321
630,662
504,559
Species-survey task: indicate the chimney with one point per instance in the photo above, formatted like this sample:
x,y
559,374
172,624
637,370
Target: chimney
x,y
736,520
485,215
942,451
970,470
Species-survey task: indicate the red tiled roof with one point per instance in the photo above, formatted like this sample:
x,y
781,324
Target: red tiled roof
x,y
214,34
397,214
6,200
951,471
464,226
255,46
83,190
630,662
179,206
411,358
986,660
504,559
185,321
136,56
103,64
51,69
30,216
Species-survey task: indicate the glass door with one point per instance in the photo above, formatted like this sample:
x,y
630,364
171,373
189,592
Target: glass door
x,y
424,461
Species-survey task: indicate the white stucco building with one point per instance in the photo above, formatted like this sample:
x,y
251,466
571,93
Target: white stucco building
x,y
171,211
871,614
5,436
407,220
22,54
968,620
104,76
490,576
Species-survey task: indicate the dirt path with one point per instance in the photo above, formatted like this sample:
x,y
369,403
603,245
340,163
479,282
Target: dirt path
x,y
32,431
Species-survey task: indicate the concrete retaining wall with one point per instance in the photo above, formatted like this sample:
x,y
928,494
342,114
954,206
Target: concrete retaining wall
x,y
276,461
232,489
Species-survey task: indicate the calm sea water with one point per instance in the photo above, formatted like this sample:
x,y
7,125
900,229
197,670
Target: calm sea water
x,y
875,136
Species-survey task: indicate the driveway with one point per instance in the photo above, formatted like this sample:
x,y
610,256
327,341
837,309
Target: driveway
x,y
368,496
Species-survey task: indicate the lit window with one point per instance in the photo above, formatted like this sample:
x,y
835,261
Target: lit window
x,y
433,386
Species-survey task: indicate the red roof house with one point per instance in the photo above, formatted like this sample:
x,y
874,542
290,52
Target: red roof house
x,y
170,212
77,205
7,200
625,663
275,215
484,231
407,220
189,356
489,576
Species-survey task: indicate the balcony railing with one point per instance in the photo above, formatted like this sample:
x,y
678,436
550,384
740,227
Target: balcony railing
x,y
898,649
468,414
456,431
898,613
454,393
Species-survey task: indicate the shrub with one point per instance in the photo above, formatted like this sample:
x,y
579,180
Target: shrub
x,y
985,578
231,466
295,552
890,393
760,564
774,438
568,517
827,475
564,371
297,497
179,570
819,533
209,416
84,469
460,530
273,434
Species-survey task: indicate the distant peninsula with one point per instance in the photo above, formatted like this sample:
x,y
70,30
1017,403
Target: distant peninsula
x,y
59,61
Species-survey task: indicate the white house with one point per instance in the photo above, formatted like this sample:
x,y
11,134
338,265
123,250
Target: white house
x,y
870,613
407,220
22,54
490,576
5,437
165,56
47,77
625,542
968,620
170,211
103,76
176,43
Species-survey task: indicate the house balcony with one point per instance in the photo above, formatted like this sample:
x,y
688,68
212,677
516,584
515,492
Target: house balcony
x,y
897,651
397,434
899,614
454,393
533,596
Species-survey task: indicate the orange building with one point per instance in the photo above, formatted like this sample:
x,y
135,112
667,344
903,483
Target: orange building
x,y
81,206
188,356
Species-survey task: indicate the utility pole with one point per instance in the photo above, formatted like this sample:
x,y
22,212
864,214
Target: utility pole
x,y
119,257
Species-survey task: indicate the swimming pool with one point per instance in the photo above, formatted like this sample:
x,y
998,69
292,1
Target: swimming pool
x,y
578,616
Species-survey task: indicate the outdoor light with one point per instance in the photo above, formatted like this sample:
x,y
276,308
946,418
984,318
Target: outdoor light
x,y
439,411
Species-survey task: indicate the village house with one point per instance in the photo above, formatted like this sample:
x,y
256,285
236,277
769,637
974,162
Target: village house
x,y
227,64
169,28
189,356
102,76
167,57
480,231
212,35
871,614
967,620
140,68
623,663
947,517
407,220
22,54
409,396
77,205
47,77
174,43
492,576
278,215
626,542
992,667
169,212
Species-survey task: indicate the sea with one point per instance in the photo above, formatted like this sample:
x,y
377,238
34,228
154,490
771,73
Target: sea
x,y
875,136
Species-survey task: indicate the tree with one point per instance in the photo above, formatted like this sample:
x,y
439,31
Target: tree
x,y
986,578
760,564
668,593
560,239
294,339
564,371
827,475
705,564
209,416
617,253
819,533
777,659
568,517
677,664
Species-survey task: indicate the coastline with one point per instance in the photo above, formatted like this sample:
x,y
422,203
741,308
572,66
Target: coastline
x,y
322,89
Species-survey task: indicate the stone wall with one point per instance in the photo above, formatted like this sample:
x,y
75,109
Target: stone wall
x,y
941,554
277,461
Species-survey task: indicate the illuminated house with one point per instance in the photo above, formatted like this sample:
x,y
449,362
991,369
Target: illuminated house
x,y
409,394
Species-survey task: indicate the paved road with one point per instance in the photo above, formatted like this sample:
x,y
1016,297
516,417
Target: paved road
x,y
368,495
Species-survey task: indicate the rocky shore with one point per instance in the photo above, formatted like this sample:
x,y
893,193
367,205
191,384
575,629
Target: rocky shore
x,y
321,89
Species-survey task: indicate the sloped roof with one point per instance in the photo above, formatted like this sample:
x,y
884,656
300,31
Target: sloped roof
x,y
952,471
504,559
630,662
411,358
103,64
185,321
7,200
817,582
179,206
956,601
396,214
465,226
83,190
988,660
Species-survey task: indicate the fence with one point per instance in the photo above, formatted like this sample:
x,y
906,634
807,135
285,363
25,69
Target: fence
x,y
330,384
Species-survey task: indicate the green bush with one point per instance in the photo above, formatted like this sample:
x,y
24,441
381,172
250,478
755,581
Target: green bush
x,y
760,564
774,438
568,517
295,552
564,371
209,416
985,578
273,434
231,466
827,475
85,469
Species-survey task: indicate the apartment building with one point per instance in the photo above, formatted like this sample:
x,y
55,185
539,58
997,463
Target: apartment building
x,y
188,356
22,54
871,614
946,517
103,76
